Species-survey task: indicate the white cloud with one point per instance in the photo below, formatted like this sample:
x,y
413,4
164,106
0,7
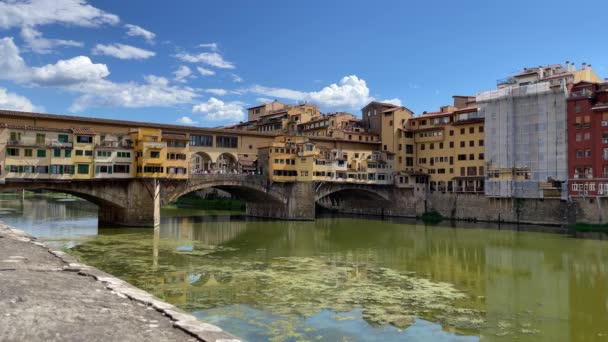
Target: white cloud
x,y
13,101
205,72
236,78
350,92
122,51
186,120
68,72
35,41
134,31
218,110
263,99
210,58
210,46
216,91
14,13
182,73
81,75
395,101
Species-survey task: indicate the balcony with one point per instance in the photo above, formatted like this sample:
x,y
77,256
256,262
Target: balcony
x,y
154,144
24,143
58,144
581,93
116,144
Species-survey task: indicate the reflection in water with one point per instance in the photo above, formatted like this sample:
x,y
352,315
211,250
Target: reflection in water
x,y
345,277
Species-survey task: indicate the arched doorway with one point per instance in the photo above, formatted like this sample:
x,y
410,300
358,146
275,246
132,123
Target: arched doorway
x,y
200,162
226,163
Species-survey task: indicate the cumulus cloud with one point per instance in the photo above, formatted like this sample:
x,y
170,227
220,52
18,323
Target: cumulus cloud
x,y
218,110
263,99
350,92
122,51
19,13
13,101
216,91
213,59
137,31
28,14
182,73
35,41
395,101
205,72
81,75
210,46
186,120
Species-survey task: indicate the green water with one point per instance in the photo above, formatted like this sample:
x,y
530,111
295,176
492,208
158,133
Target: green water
x,y
345,278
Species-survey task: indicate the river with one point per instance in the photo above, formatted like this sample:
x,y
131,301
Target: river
x,y
344,278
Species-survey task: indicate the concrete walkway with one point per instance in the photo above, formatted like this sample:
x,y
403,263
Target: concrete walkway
x,y
46,295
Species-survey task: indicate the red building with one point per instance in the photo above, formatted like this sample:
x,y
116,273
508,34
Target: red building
x,y
588,139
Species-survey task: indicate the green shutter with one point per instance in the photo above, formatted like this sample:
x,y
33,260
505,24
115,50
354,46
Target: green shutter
x,y
110,169
97,167
57,152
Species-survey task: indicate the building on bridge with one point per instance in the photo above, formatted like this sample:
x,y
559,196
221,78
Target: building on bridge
x,y
298,159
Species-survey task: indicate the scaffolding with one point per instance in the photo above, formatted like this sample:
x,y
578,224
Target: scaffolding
x,y
525,130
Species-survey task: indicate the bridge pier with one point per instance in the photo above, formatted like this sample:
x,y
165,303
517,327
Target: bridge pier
x,y
299,204
142,207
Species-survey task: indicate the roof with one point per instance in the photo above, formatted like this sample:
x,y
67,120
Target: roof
x,y
127,123
35,128
82,130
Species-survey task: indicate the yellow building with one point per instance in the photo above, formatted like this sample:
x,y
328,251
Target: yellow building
x,y
150,152
178,155
448,146
83,154
37,152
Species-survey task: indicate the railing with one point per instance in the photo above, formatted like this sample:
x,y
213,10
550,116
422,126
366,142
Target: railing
x,y
581,93
114,144
151,144
57,144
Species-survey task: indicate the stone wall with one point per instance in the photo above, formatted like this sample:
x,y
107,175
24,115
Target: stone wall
x,y
299,203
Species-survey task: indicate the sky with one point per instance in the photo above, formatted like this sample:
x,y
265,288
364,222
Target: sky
x,y
203,63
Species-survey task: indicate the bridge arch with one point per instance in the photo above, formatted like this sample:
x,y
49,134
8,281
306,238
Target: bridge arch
x,y
201,162
227,162
365,192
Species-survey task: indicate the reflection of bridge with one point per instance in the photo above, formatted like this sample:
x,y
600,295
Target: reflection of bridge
x,y
137,202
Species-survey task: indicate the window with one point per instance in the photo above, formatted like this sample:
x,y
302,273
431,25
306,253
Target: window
x,y
123,154
471,130
385,147
68,153
422,147
56,152
471,156
579,137
462,144
481,156
153,169
451,144
13,152
462,131
579,153
409,149
29,152
104,153
15,136
462,157
481,142
40,138
400,147
88,153
154,154
42,169
201,140
440,145
83,169
118,168
84,139
432,146
63,138
471,143
588,152
587,136
451,132
79,152
480,129
228,142
41,153
103,169
390,123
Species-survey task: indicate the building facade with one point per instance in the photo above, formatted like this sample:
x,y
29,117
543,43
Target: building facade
x,y
588,140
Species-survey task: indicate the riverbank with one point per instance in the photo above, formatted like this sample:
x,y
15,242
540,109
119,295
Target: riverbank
x,y
48,295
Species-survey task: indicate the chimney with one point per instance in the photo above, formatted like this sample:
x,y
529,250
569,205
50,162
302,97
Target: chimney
x,y
584,66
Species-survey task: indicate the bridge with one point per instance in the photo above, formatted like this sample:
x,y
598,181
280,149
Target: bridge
x,y
137,201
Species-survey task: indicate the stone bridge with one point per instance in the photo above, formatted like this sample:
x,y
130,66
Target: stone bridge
x,y
137,202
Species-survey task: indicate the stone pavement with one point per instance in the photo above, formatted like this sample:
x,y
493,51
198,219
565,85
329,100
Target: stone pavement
x,y
46,295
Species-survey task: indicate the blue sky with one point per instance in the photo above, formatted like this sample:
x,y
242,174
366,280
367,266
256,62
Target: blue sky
x,y
205,62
